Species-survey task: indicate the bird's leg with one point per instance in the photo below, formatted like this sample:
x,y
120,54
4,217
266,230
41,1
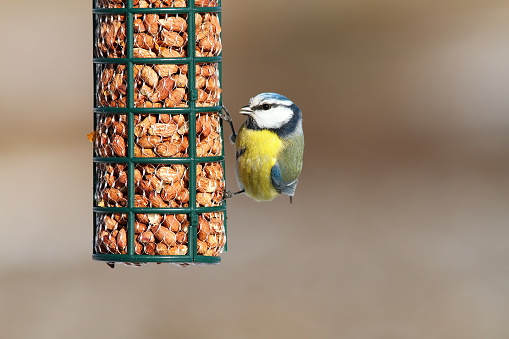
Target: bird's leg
x,y
229,194
225,115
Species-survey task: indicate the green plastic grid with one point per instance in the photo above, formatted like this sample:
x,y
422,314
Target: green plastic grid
x,y
192,111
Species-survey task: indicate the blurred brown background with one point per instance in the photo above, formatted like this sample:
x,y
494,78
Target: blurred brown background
x,y
400,225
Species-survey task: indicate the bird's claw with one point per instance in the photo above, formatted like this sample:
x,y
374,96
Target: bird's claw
x,y
227,194
225,115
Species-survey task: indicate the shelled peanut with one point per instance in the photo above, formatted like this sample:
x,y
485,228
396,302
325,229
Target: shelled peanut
x,y
110,36
208,131
208,35
161,234
161,135
157,86
111,135
157,135
209,184
111,185
110,3
161,186
158,3
206,3
207,83
141,3
211,234
111,233
165,135
160,35
111,86
157,35
154,3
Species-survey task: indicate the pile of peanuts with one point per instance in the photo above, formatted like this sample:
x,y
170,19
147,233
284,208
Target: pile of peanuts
x,y
151,134
157,36
157,135
159,234
157,86
154,3
158,185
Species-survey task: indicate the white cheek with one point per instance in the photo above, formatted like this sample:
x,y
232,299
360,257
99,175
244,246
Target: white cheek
x,y
273,118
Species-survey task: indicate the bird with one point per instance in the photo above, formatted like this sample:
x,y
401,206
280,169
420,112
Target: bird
x,y
269,147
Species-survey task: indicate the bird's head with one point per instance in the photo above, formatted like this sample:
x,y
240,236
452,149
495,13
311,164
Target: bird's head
x,y
272,111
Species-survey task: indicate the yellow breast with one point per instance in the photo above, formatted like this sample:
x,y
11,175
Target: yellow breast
x,y
261,149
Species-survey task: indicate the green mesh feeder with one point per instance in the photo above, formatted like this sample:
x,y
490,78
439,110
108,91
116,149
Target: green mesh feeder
x,y
158,141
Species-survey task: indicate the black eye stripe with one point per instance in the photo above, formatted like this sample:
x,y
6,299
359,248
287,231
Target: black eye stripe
x,y
261,107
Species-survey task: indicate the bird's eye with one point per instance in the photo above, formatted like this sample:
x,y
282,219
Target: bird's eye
x,y
266,107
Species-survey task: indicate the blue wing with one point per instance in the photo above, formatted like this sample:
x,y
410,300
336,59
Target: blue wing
x,y
285,173
280,184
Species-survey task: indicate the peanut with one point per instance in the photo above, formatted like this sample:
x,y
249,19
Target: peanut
x,y
164,235
211,234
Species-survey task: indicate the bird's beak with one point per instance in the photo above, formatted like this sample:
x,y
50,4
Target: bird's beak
x,y
246,110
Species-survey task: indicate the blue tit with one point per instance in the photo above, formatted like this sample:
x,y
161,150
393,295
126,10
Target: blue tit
x,y
269,147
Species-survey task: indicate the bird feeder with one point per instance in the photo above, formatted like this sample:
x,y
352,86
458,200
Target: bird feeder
x,y
158,137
